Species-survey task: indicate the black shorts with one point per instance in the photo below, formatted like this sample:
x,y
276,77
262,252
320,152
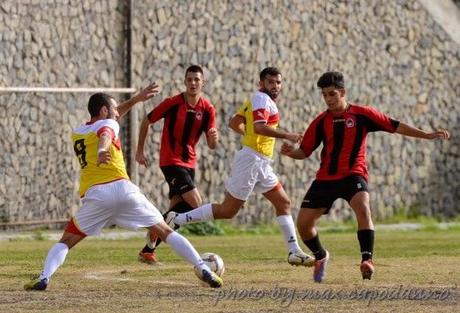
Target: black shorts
x,y
180,179
323,193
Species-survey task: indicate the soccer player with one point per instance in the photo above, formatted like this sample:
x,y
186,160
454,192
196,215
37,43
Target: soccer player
x,y
107,195
257,120
186,116
342,129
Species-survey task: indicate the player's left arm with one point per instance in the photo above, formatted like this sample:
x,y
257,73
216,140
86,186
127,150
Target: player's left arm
x,y
212,135
262,128
212,138
145,94
289,150
103,147
410,131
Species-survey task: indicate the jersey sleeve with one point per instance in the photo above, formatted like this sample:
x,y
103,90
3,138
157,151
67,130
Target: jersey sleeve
x,y
108,127
378,121
260,108
313,136
160,110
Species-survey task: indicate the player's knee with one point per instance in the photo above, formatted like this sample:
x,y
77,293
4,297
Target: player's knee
x,y
363,214
162,230
284,207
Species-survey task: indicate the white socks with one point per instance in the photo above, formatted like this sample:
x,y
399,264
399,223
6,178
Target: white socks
x,y
55,258
200,214
184,248
287,225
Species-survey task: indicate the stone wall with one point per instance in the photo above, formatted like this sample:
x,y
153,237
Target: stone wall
x,y
394,56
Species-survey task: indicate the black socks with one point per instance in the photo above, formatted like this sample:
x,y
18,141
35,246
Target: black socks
x,y
366,243
315,246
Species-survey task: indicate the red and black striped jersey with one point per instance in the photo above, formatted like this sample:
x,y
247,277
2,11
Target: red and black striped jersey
x,y
182,128
344,140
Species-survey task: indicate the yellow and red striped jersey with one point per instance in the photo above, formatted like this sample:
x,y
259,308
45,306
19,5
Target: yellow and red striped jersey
x,y
260,109
85,140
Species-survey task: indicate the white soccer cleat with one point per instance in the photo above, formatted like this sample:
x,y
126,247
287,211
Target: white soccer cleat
x,y
169,219
300,258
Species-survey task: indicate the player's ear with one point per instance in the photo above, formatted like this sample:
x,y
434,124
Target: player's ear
x,y
103,111
342,92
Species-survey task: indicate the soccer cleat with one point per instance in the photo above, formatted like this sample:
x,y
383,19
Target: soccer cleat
x,y
367,269
319,271
36,284
212,279
147,257
169,219
300,258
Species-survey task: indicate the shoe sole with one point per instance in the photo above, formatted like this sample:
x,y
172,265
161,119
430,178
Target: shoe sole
x,y
306,264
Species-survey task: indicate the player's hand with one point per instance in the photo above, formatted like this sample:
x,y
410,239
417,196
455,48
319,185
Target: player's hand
x,y
103,157
287,148
141,159
293,137
212,134
148,92
439,134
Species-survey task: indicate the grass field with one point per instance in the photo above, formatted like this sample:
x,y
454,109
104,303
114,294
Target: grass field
x,y
416,271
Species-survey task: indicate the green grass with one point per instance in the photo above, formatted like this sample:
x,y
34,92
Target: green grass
x,y
104,276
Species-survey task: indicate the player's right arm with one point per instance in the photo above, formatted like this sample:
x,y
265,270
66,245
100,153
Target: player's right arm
x,y
237,124
143,132
145,94
156,114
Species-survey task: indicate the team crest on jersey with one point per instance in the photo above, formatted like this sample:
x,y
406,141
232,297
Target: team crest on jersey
x,y
199,115
349,122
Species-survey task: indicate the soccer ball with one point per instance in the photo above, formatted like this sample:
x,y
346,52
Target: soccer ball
x,y
214,262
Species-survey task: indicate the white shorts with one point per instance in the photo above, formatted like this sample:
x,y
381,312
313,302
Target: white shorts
x,y
117,203
250,172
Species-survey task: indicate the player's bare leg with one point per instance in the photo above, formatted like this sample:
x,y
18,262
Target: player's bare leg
x,y
208,212
228,208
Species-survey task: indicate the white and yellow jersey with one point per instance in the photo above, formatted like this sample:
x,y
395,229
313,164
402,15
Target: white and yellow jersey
x,y
261,109
85,140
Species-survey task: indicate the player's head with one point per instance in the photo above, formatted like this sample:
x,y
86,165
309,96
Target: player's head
x,y
270,81
102,106
332,85
194,80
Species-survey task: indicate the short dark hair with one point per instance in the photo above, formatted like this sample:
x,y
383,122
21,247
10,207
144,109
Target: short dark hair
x,y
194,69
97,101
269,71
329,79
